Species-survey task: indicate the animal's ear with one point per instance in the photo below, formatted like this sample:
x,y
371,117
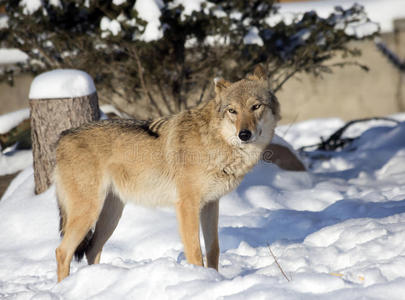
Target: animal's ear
x,y
220,84
259,73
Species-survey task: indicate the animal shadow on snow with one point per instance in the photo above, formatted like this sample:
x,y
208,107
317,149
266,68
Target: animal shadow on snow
x,y
291,226
369,153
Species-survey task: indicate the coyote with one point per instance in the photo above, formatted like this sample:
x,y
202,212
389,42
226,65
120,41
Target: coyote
x,y
188,160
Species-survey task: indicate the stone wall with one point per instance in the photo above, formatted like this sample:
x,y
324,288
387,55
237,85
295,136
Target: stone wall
x,y
15,97
348,93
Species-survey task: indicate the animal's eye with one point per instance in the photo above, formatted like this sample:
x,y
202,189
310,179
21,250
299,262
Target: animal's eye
x,y
232,111
256,106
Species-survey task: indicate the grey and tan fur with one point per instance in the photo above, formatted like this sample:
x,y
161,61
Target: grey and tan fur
x,y
188,160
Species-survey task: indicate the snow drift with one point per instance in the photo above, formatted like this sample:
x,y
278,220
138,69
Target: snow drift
x,y
338,232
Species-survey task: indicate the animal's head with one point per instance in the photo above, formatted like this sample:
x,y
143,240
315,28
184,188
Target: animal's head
x,y
249,110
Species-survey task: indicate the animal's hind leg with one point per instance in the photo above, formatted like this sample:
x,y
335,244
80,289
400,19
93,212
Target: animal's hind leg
x,y
106,224
209,226
81,214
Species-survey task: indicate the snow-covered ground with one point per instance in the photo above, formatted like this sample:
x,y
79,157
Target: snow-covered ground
x,y
338,232
11,120
10,164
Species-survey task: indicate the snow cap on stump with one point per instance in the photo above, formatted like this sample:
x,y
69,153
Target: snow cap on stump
x,y
62,83
59,100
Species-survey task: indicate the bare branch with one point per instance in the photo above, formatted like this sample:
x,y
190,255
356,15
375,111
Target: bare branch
x,y
142,80
291,74
164,98
349,63
278,265
205,85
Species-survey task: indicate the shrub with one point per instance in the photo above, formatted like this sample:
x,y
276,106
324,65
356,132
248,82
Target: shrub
x,y
152,58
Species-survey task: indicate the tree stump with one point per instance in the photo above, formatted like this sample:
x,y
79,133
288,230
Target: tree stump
x,y
59,100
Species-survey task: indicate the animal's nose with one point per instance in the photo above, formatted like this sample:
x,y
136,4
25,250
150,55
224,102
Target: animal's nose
x,y
245,135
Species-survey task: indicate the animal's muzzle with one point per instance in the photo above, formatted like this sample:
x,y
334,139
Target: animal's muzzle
x,y
245,135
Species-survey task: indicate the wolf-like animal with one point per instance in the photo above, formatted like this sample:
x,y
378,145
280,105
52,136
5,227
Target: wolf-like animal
x,y
188,160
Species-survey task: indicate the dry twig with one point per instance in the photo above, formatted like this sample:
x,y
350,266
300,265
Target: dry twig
x,y
278,265
142,80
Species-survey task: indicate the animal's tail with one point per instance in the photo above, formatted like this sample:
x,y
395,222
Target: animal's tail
x,y
85,243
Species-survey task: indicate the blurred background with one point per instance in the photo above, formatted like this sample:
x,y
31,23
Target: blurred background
x,y
359,73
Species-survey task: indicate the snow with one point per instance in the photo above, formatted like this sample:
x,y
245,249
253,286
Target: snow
x,y
12,56
337,231
112,26
3,22
252,37
119,2
360,26
55,3
108,108
190,6
383,14
149,10
11,163
61,83
30,6
11,120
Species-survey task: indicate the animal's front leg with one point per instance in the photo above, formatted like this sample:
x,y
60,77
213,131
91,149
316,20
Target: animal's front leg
x,y
188,216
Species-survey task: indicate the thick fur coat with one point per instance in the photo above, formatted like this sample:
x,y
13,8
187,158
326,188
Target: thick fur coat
x,y
188,160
